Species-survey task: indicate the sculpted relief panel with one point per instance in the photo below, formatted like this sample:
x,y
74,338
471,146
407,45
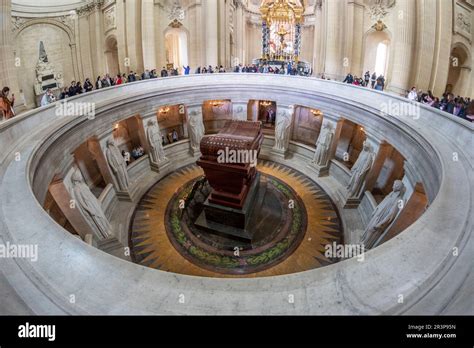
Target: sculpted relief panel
x,y
378,9
109,18
462,21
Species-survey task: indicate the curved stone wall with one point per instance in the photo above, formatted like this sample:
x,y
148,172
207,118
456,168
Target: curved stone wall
x,y
418,264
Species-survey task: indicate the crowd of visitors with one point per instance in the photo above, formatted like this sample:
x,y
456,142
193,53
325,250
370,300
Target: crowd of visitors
x,y
209,70
372,81
457,106
284,69
137,152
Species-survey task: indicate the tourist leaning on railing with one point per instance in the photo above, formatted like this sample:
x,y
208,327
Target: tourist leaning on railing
x,y
6,104
459,106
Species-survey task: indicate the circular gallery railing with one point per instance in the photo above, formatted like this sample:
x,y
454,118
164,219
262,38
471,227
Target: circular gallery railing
x,y
427,264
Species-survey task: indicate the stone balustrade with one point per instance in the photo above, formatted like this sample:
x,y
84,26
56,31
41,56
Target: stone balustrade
x,y
428,264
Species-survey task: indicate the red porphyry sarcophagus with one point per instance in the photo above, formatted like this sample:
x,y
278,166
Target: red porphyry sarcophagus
x,y
229,159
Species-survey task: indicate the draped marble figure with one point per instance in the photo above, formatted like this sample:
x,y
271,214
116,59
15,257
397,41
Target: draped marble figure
x,y
117,165
196,130
282,132
383,216
321,155
360,170
154,139
89,206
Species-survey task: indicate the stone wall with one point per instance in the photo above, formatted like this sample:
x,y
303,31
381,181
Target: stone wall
x,y
338,37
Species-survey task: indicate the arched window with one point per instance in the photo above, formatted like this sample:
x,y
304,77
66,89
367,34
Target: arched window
x,y
381,58
377,52
176,43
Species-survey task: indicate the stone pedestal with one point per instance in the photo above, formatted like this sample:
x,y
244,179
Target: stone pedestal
x,y
110,244
195,152
232,223
352,203
163,166
131,195
318,170
278,153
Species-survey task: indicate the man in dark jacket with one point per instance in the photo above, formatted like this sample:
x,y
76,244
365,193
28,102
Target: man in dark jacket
x,y
349,79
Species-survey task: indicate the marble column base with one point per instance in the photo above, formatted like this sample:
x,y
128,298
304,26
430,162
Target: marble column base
x,y
129,196
109,244
352,203
195,152
396,90
278,153
160,167
318,170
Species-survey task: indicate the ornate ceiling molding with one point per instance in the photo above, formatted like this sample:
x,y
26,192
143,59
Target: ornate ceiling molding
x,y
378,9
89,8
176,12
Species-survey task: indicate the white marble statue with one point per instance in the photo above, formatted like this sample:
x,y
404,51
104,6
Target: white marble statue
x,y
360,170
383,215
90,207
117,165
195,130
323,145
282,132
153,136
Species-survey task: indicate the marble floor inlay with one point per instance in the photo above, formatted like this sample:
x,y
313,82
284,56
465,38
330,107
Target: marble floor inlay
x,y
304,221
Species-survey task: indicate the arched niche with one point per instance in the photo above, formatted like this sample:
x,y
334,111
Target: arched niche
x,y
59,44
129,135
264,111
459,75
388,166
172,118
350,142
86,160
53,208
377,52
215,113
307,125
176,45
111,55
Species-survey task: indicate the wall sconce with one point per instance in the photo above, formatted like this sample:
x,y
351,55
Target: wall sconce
x,y
316,113
217,103
116,126
265,103
164,110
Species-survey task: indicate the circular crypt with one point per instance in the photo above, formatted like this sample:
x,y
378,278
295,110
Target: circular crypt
x,y
332,173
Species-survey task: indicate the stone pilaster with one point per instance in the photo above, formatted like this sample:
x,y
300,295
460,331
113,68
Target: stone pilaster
x,y
333,59
425,39
7,62
404,46
211,32
148,35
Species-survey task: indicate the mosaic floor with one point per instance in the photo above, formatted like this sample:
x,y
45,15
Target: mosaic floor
x,y
298,248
